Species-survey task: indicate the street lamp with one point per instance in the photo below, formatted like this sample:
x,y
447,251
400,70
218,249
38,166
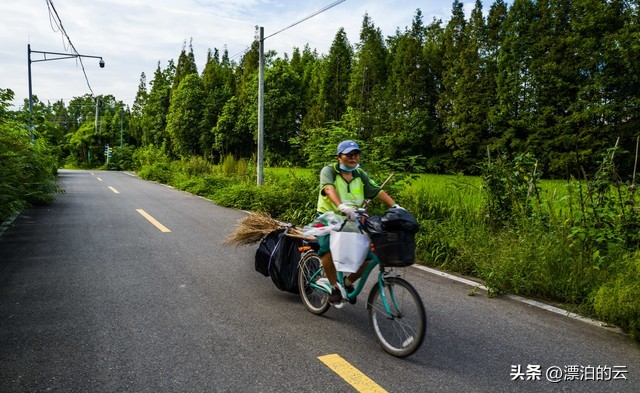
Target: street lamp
x,y
60,56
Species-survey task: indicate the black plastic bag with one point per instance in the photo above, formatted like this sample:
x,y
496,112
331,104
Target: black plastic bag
x,y
277,257
284,264
373,225
396,219
265,250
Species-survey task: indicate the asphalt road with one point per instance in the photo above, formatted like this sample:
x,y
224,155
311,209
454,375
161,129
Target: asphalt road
x,y
94,297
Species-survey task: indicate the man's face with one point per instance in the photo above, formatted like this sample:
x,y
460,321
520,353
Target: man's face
x,y
351,159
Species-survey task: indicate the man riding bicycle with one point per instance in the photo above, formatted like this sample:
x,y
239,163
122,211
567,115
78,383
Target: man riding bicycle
x,y
344,186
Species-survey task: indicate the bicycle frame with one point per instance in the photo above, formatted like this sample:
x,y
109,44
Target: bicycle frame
x,y
375,262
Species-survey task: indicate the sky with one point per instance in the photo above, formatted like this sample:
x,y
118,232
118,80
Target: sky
x,y
132,36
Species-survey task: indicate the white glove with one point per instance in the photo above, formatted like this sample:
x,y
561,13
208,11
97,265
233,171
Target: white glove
x,y
396,206
348,211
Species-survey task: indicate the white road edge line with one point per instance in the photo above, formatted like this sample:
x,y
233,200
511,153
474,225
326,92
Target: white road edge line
x,y
521,299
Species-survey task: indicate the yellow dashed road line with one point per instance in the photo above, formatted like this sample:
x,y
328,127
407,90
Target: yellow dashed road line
x,y
152,220
352,375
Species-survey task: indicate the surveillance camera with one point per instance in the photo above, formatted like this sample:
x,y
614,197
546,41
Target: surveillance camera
x,y
101,63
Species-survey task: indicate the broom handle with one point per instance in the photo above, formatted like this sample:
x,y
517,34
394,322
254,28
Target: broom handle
x,y
301,236
364,205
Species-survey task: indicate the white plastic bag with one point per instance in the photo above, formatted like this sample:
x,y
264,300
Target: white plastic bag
x,y
349,250
323,225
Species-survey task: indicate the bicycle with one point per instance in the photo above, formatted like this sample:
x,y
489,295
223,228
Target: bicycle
x,y
396,313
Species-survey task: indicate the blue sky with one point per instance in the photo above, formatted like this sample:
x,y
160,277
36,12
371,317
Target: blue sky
x,y
134,35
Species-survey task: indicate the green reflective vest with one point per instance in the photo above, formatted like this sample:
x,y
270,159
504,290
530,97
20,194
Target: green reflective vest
x,y
352,193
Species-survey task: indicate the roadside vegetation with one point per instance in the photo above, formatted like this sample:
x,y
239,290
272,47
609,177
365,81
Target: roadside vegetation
x,y
27,170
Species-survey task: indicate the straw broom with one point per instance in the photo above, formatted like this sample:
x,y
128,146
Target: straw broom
x,y
254,227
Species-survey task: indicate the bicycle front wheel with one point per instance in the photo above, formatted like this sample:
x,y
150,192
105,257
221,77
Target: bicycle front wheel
x,y
398,321
314,299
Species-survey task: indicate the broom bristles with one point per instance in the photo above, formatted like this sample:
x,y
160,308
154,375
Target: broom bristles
x,y
254,227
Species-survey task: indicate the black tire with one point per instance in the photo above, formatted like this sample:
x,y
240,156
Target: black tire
x,y
315,300
402,334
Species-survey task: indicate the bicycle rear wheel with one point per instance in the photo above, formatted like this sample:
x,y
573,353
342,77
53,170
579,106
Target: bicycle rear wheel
x,y
314,299
401,331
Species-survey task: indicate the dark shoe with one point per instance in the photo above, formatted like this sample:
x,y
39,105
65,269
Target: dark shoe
x,y
335,297
350,289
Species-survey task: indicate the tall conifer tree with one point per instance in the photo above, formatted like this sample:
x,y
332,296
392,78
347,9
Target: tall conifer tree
x,y
368,79
337,67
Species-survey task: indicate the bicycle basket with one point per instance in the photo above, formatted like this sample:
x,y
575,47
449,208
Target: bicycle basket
x,y
395,248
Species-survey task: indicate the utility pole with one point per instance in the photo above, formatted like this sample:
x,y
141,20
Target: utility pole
x,y
261,39
261,109
95,124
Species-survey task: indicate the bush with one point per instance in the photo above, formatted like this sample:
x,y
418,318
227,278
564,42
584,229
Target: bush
x,y
122,158
150,155
194,166
28,169
618,300
239,195
153,164
228,166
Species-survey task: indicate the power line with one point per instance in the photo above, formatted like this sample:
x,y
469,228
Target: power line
x,y
241,53
335,3
58,22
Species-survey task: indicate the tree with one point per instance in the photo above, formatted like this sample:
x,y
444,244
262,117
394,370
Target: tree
x,y
283,112
433,52
368,79
336,73
627,52
27,168
494,37
408,96
84,146
469,88
455,62
599,83
307,66
142,96
154,114
219,87
186,65
184,120
514,113
226,140
58,123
